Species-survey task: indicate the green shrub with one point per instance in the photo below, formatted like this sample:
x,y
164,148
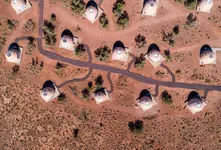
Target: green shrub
x,y
139,61
11,24
85,93
62,97
136,126
99,81
78,6
118,7
166,97
191,20
104,20
176,29
123,20
49,33
80,49
140,41
102,53
30,25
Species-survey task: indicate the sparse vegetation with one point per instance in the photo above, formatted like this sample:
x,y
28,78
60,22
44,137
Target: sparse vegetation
x,y
167,54
168,37
78,6
159,73
139,61
166,97
102,53
15,68
122,16
103,20
80,49
60,66
53,18
140,40
190,4
49,33
76,131
29,26
31,45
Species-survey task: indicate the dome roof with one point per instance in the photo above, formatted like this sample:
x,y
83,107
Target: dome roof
x,y
91,12
118,53
47,93
154,55
205,5
195,104
66,41
13,54
207,57
146,102
150,8
99,96
18,5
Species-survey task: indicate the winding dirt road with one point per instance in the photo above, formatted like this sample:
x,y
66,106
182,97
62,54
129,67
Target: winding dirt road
x,y
110,69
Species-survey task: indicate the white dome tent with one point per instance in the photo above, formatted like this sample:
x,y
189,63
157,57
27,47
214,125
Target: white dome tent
x,y
93,11
20,5
14,54
207,55
150,7
146,100
154,56
120,52
68,41
195,103
101,95
49,91
205,6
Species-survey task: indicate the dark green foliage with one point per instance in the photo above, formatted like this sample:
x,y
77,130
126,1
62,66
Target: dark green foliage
x,y
140,40
80,49
90,85
118,7
78,6
11,24
31,45
49,33
42,64
190,4
123,19
85,93
191,20
62,97
75,133
60,65
136,126
104,20
102,53
99,81
176,29
53,17
139,61
166,97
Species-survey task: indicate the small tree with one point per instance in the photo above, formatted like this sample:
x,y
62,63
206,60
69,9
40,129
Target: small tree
x,y
191,20
167,54
15,68
60,65
53,17
176,29
42,64
168,37
118,7
11,24
131,125
123,20
191,4
85,93
80,49
138,124
90,85
139,61
104,20
166,97
62,97
29,26
140,40
99,81
76,131
77,6
102,53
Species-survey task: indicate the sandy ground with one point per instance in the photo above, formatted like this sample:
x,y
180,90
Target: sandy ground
x,y
26,122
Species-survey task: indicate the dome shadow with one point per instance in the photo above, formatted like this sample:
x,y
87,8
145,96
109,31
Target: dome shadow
x,y
143,93
118,44
205,48
193,95
91,3
48,83
67,32
14,46
153,47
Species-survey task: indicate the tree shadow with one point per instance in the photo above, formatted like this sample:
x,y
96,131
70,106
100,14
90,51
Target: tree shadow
x,y
14,46
143,93
91,3
118,44
153,47
205,48
67,32
193,96
48,83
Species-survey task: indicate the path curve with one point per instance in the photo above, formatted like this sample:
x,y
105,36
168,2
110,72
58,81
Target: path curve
x,y
132,75
111,83
169,71
131,62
